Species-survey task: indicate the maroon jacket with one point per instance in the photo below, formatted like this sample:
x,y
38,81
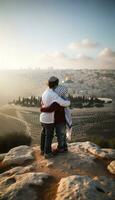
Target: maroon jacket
x,y
59,116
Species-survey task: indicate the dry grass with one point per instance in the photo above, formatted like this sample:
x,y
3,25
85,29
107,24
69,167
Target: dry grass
x,y
12,132
8,110
11,140
10,124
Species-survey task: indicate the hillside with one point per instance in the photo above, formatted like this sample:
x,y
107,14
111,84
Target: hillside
x,y
85,172
94,124
14,130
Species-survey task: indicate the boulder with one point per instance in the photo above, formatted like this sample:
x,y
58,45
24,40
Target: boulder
x,y
2,156
18,155
26,186
111,167
110,153
19,170
95,149
83,166
78,160
85,188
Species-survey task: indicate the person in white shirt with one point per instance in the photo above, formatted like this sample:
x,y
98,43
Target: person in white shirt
x,y
47,119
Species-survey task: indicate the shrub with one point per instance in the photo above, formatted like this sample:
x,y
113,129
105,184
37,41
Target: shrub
x,y
112,143
10,140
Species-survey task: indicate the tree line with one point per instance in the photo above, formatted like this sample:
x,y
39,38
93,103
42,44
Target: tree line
x,y
31,101
76,101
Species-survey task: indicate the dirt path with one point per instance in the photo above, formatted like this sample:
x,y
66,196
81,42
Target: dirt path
x,y
20,116
24,117
14,112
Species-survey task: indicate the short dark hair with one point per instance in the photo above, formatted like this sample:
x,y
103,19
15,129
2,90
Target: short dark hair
x,y
53,84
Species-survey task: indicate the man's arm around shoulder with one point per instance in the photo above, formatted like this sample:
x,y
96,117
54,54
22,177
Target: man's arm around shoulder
x,y
60,101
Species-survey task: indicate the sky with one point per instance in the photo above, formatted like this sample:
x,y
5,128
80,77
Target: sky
x,y
57,33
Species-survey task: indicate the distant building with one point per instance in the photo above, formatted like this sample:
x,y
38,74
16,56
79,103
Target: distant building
x,y
68,79
69,83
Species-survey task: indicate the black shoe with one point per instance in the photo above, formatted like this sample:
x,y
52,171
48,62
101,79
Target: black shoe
x,y
66,149
61,150
54,151
48,155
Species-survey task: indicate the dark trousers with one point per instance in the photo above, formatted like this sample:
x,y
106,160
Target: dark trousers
x,y
46,137
61,135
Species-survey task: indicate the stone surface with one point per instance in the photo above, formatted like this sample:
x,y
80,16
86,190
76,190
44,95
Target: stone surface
x,y
79,160
95,149
49,164
111,167
18,155
110,153
2,156
19,170
25,186
83,166
85,188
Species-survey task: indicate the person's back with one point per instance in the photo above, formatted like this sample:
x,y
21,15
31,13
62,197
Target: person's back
x,y
48,97
47,100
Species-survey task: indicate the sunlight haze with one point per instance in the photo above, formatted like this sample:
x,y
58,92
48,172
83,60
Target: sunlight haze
x,y
59,34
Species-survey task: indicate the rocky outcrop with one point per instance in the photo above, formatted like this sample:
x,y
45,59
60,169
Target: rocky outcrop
x,y
111,167
85,172
85,188
2,156
19,170
18,155
23,186
95,150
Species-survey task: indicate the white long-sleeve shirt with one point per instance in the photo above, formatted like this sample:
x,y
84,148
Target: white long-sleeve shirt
x,y
48,97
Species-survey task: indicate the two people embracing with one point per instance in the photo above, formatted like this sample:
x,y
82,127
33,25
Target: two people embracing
x,y
55,116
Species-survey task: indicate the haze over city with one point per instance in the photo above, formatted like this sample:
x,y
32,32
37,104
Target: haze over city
x,y
57,33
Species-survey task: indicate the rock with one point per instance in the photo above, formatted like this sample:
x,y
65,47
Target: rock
x,y
110,153
2,156
18,155
85,188
95,150
111,167
74,160
78,165
36,148
78,160
25,186
49,164
19,170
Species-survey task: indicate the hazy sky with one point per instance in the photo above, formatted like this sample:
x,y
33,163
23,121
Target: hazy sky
x,y
58,33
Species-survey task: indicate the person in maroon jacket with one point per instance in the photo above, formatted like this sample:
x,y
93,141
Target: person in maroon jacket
x,y
59,125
